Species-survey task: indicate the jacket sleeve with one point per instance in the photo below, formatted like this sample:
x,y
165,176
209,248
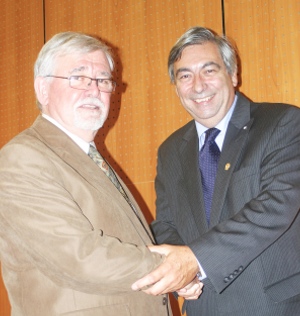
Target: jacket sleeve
x,y
164,228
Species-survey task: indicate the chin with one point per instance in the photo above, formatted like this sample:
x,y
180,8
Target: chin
x,y
90,125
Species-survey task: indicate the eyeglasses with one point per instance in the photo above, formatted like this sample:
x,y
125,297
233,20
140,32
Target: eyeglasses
x,y
84,83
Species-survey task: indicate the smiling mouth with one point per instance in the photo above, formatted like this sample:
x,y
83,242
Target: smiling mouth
x,y
90,107
202,100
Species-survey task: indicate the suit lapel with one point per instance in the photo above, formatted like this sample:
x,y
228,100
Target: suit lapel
x,y
235,140
192,179
69,152
66,149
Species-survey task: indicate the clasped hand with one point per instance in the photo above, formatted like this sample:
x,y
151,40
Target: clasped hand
x,y
176,274
192,291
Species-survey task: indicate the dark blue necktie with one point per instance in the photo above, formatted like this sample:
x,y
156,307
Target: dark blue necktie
x,y
208,163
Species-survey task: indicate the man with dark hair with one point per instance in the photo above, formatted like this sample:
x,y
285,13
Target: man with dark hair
x,y
228,190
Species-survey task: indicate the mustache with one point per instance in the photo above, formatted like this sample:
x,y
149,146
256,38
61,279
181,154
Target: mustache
x,y
90,101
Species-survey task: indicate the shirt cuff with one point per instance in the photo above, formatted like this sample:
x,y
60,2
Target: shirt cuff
x,y
201,274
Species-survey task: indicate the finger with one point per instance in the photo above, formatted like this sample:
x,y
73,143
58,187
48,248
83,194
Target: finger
x,y
192,297
162,249
164,283
159,288
143,283
182,291
150,279
195,289
196,296
191,290
192,294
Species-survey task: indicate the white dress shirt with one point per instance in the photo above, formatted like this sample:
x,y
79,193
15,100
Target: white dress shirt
x,y
222,126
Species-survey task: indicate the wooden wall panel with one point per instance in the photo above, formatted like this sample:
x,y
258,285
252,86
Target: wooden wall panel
x,y
21,36
267,34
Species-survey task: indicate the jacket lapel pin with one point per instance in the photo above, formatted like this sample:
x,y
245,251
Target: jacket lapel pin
x,y
227,166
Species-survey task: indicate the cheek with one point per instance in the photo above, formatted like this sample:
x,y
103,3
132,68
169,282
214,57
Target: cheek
x,y
224,83
106,100
70,99
57,92
63,102
105,97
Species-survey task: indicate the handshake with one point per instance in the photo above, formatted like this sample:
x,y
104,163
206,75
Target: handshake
x,y
178,273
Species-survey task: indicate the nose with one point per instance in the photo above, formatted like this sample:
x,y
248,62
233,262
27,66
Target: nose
x,y
199,84
93,90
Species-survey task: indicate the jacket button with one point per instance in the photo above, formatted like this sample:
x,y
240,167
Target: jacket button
x,y
226,280
165,301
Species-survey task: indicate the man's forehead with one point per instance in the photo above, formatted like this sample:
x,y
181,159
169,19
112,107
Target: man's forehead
x,y
97,56
202,54
80,63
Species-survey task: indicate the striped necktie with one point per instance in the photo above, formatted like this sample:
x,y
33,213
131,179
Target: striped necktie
x,y
100,161
104,166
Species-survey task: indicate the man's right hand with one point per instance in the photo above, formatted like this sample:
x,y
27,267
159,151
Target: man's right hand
x,y
176,272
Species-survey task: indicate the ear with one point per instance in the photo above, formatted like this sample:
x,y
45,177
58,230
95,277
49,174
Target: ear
x,y
234,78
41,86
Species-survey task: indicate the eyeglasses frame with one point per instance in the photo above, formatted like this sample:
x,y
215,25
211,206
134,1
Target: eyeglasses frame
x,y
93,79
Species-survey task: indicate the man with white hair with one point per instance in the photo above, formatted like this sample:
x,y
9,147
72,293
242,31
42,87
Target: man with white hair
x,y
72,237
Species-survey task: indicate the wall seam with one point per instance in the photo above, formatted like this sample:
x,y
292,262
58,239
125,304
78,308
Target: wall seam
x,y
44,21
223,17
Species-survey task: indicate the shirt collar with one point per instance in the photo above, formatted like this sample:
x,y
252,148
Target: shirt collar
x,y
85,146
222,126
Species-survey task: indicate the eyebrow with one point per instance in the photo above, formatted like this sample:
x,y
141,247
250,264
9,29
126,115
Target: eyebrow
x,y
82,68
210,63
78,69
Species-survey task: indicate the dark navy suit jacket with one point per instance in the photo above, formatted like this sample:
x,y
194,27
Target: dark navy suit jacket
x,y
251,249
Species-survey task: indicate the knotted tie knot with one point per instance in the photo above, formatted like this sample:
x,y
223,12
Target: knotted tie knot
x,y
210,135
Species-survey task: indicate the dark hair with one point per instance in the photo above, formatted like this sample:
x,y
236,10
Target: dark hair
x,y
199,35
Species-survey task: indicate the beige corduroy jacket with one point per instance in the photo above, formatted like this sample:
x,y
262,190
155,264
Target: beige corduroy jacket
x,y
69,242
